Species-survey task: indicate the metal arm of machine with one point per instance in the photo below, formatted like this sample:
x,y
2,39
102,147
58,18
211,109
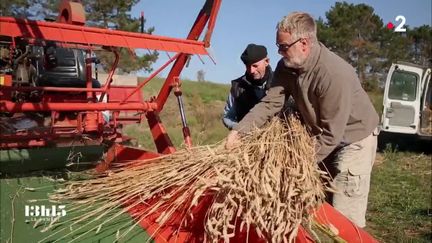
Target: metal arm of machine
x,y
89,36
210,7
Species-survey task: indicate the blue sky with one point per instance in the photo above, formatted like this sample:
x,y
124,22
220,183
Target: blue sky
x,y
252,21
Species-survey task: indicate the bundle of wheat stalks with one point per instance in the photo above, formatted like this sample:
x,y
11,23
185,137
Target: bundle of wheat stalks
x,y
270,183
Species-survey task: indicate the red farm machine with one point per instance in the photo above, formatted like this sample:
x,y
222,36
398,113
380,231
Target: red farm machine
x,y
46,73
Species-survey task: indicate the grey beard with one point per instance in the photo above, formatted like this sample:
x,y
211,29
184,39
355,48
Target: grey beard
x,y
293,65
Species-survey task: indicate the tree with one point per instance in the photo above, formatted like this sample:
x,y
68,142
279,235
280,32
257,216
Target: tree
x,y
352,31
393,47
31,9
113,14
359,36
421,37
201,75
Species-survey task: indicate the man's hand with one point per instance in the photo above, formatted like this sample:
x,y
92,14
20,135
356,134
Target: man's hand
x,y
233,140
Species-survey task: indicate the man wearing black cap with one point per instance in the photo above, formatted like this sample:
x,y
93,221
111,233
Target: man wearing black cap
x,y
333,106
249,89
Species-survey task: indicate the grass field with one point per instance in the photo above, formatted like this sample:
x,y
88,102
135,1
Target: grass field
x,y
203,102
400,203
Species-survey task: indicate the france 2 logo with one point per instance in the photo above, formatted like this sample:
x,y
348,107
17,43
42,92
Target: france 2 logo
x,y
400,27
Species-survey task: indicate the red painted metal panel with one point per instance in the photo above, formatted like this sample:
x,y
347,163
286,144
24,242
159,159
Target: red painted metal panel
x,y
23,144
160,136
327,215
119,153
67,33
194,232
119,93
71,13
8,106
56,89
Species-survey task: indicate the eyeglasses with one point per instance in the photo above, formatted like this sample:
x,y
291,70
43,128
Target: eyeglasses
x,y
285,47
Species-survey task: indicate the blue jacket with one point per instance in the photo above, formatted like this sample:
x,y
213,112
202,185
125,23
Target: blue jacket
x,y
243,96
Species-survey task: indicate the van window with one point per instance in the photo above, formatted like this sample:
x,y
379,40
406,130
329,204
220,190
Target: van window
x,y
403,86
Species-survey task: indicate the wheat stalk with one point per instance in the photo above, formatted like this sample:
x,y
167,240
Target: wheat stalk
x,y
270,183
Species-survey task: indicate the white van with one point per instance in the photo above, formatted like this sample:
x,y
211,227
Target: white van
x,y
407,101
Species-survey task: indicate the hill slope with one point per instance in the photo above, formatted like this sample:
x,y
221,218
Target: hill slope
x,y
204,103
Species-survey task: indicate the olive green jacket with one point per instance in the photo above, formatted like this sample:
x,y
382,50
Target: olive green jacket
x,y
328,95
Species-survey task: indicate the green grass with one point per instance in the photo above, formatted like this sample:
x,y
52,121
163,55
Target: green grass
x,y
400,202
203,101
207,91
377,100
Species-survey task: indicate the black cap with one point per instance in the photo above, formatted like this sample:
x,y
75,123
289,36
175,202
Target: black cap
x,y
253,53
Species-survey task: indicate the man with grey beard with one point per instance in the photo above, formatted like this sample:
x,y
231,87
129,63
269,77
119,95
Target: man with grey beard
x,y
333,106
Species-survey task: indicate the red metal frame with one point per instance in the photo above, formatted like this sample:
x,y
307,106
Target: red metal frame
x,y
210,7
84,35
88,121
70,31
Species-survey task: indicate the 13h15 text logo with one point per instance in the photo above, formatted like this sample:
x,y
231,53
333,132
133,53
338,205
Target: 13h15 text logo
x,y
44,211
